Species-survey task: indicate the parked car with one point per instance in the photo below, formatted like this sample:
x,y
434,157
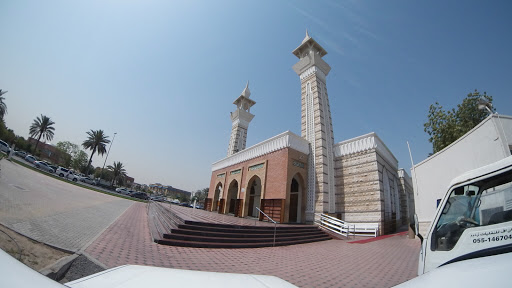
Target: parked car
x,y
72,176
66,173
123,191
88,180
4,147
43,166
157,198
140,195
54,167
21,154
61,171
30,159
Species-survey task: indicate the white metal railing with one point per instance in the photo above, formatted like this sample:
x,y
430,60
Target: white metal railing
x,y
346,229
275,225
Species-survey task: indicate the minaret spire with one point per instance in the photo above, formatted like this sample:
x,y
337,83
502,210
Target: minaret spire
x,y
316,127
240,119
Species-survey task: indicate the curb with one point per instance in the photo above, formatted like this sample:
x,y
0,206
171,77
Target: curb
x,y
57,270
95,261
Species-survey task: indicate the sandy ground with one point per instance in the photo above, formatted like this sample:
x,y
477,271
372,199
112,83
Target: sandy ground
x,y
33,254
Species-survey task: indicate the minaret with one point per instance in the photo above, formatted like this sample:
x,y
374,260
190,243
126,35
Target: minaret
x,y
316,126
240,119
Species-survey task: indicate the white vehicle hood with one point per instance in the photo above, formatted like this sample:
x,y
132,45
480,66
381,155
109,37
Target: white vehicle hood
x,y
479,272
16,274
145,276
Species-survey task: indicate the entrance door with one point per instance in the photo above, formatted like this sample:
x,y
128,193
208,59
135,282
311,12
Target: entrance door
x,y
232,204
251,205
294,202
294,212
232,196
253,197
216,198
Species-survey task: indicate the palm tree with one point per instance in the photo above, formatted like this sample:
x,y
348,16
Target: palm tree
x,y
3,107
118,171
96,142
42,127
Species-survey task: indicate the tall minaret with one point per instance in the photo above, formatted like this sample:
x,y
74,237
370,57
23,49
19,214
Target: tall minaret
x,y
240,119
316,126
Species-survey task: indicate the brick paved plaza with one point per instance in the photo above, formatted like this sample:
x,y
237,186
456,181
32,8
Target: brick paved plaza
x,y
334,263
115,232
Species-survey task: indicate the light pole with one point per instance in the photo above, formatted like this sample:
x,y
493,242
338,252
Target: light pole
x,y
484,104
107,155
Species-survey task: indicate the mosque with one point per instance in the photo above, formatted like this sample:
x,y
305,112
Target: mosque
x,y
294,179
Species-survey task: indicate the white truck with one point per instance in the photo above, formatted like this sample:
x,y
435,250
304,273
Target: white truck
x,y
473,220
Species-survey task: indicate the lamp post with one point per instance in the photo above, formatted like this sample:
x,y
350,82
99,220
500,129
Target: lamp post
x,y
484,104
107,155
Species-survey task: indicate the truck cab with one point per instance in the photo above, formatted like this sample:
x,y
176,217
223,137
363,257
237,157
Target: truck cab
x,y
473,220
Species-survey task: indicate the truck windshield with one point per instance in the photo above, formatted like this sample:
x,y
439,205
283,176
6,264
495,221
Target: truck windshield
x,y
482,203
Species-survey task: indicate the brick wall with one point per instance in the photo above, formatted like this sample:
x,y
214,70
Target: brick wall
x,y
276,174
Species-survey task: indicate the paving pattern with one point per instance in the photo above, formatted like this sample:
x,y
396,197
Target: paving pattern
x,y
333,263
52,211
74,218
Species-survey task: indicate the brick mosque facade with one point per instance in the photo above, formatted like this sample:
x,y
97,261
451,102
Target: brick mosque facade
x,y
294,179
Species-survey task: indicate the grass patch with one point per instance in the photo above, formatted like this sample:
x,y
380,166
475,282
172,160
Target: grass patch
x,y
77,183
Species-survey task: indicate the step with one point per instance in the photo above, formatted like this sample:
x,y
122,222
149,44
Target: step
x,y
246,229
241,227
259,234
193,238
195,244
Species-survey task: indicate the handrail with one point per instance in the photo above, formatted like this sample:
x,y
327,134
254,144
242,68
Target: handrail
x,y
275,225
266,215
345,228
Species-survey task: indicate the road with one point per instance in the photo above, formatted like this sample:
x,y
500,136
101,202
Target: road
x,y
53,211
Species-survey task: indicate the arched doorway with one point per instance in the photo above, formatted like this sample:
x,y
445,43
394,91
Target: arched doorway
x,y
295,210
216,197
231,197
253,196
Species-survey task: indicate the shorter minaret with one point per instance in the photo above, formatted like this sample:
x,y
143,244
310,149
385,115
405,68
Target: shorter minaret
x,y
240,119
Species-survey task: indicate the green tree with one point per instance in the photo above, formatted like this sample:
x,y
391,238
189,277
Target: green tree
x,y
108,176
79,161
42,127
10,137
183,198
201,195
444,127
68,147
21,143
3,106
96,142
118,172
67,150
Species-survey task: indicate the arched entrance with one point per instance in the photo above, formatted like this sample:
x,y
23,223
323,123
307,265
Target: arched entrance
x,y
295,210
253,196
217,196
231,197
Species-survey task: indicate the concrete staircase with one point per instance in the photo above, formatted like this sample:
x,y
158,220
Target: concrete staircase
x,y
177,226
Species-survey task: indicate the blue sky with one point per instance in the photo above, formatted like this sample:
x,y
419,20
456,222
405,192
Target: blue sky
x,y
164,74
